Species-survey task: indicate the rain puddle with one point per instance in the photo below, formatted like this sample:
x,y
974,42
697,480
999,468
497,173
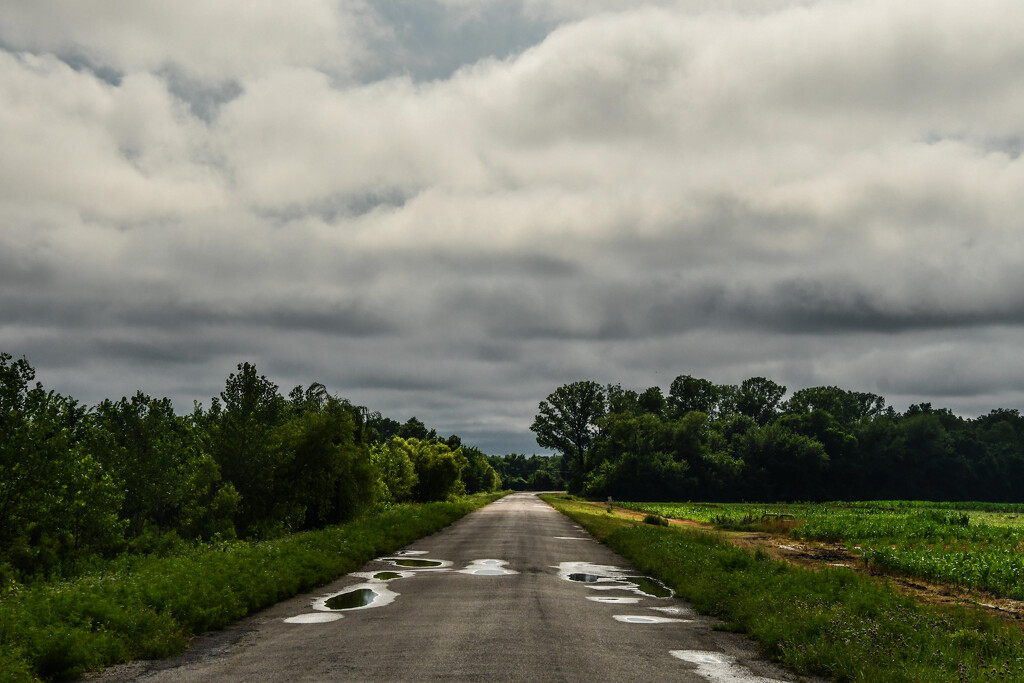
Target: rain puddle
x,y
604,577
411,552
649,586
718,667
571,538
639,619
487,568
415,564
387,576
360,596
351,600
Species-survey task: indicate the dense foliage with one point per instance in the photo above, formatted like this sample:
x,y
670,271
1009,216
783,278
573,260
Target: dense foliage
x,y
534,473
78,484
723,442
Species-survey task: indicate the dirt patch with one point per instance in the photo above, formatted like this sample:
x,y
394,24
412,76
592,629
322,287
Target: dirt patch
x,y
813,555
633,514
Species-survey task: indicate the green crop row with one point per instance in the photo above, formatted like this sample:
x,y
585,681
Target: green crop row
x,y
1000,572
979,546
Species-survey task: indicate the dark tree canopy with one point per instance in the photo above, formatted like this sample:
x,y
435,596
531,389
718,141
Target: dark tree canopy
x,y
567,422
746,442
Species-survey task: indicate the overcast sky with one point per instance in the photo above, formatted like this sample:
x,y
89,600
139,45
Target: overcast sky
x,y
447,208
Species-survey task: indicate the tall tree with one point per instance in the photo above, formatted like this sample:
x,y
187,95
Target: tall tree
x,y
566,421
688,394
246,442
759,398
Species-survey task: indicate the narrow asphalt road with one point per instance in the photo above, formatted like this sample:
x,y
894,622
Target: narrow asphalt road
x,y
522,594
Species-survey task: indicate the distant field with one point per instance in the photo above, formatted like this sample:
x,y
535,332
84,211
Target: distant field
x,y
971,545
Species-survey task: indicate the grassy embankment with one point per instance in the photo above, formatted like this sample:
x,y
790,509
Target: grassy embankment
x,y
831,622
149,607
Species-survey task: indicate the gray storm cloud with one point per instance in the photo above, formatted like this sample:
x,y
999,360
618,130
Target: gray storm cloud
x,y
445,209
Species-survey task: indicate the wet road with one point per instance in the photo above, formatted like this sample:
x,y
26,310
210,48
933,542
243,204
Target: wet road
x,y
522,594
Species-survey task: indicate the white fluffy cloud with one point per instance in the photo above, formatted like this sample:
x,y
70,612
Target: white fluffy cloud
x,y
445,209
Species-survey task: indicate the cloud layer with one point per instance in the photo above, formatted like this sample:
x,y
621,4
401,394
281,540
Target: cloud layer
x,y
448,208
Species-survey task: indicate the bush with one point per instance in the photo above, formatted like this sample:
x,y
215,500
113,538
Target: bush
x,y
656,520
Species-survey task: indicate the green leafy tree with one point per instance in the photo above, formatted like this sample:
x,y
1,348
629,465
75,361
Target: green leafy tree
x,y
151,454
57,505
438,470
780,464
380,428
653,401
692,394
394,462
414,428
759,398
638,461
329,474
567,422
846,407
246,441
478,475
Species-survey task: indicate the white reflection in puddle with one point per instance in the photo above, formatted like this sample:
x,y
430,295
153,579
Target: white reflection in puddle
x,y
719,667
487,568
418,564
571,538
609,585
376,576
639,619
313,618
412,552
614,601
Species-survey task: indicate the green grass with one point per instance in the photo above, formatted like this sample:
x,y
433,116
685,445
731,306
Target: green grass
x,y
971,545
828,622
148,607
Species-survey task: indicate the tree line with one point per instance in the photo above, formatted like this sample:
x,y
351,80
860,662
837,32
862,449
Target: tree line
x,y
748,442
79,483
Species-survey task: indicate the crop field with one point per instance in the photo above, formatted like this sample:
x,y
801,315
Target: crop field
x,y
819,620
970,545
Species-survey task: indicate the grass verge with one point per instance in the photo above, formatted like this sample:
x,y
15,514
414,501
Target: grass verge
x,y
149,607
828,622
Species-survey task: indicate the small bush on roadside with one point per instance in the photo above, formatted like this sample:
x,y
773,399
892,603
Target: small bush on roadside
x,y
656,520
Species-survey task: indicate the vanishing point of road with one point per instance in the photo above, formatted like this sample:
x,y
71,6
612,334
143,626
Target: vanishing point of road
x,y
521,593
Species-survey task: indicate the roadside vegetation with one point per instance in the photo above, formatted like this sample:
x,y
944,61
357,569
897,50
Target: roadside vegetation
x,y
830,621
80,486
979,546
126,527
148,606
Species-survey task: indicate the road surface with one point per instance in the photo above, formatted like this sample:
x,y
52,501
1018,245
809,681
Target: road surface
x,y
522,594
